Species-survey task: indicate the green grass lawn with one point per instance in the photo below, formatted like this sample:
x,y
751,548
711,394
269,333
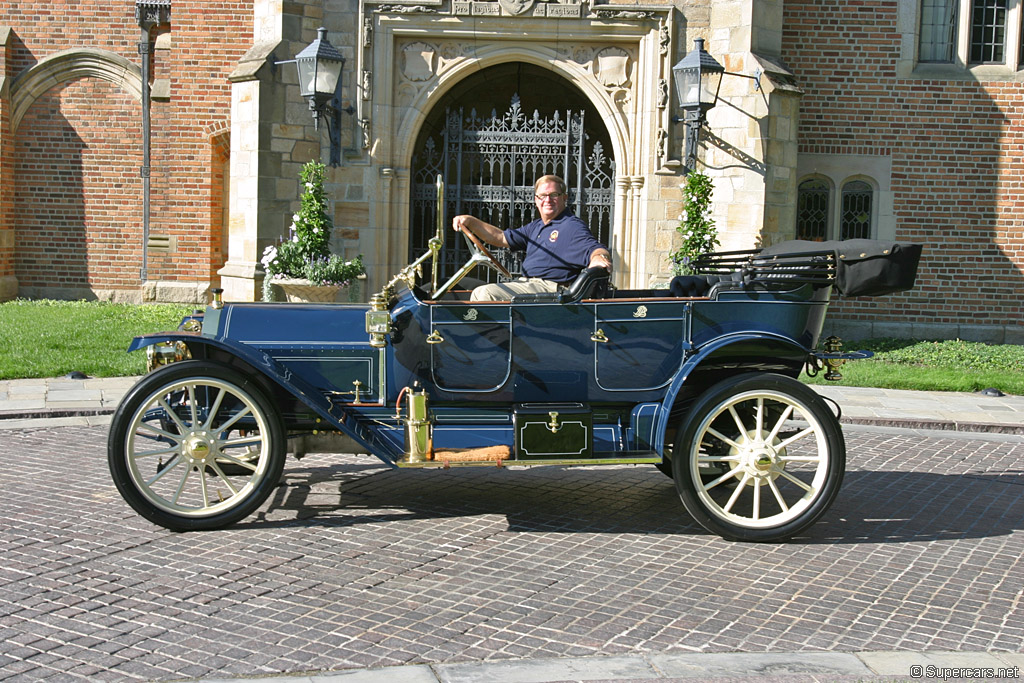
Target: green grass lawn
x,y
934,366
53,338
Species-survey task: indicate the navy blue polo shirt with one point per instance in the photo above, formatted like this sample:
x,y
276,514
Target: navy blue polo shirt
x,y
557,251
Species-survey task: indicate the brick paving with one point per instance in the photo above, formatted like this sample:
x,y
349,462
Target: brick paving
x,y
350,565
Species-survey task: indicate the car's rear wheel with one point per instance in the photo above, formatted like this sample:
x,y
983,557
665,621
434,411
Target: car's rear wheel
x,y
781,449
195,445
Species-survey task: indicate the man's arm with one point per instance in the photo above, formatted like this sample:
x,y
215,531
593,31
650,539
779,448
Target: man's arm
x,y
602,258
485,231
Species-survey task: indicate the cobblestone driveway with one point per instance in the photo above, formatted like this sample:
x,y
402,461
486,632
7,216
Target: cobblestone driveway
x,y
352,565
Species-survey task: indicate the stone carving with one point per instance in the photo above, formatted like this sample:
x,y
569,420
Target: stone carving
x,y
368,32
407,9
662,93
364,123
367,84
664,39
418,61
611,67
631,15
516,7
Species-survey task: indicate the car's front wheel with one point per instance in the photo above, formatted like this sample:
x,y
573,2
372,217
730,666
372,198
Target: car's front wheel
x,y
195,445
777,451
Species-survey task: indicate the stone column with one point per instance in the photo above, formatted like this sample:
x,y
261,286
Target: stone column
x,y
259,198
8,282
749,145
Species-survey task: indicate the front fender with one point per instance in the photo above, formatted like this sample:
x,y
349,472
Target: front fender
x,y
339,418
728,355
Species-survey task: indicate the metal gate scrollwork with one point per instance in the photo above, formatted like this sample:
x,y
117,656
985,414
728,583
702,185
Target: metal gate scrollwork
x,y
489,166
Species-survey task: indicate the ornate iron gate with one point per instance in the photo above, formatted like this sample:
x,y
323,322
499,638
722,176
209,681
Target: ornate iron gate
x,y
489,167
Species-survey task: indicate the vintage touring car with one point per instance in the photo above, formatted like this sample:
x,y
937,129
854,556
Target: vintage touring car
x,y
698,380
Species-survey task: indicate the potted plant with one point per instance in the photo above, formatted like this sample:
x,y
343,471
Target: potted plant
x,y
302,264
697,227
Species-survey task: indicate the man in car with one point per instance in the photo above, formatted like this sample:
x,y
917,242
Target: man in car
x,y
558,245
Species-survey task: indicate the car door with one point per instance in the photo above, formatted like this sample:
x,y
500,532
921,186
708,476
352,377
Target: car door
x,y
638,345
470,346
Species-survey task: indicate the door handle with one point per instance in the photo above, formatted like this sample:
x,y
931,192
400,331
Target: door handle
x,y
435,338
599,337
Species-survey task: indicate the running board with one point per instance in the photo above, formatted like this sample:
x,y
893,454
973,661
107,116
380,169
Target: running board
x,y
500,456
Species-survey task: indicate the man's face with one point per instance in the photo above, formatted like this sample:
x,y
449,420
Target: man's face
x,y
550,201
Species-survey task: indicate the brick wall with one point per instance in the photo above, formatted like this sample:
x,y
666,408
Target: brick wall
x,y
955,149
77,197
76,189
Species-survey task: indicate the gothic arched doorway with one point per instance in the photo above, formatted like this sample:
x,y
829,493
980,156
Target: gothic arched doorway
x,y
490,137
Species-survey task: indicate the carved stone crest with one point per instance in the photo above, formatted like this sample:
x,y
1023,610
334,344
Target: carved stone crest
x,y
418,61
611,67
516,7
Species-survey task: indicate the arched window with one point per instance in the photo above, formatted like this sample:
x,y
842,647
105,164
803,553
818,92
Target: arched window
x,y
855,217
812,209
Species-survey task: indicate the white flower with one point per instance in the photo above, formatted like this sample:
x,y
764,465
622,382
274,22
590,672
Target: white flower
x,y
295,219
295,238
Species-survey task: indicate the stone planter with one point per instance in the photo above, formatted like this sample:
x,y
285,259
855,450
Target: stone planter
x,y
303,291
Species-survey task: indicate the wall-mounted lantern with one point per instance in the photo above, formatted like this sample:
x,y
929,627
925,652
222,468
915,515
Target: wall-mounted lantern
x,y
320,65
697,77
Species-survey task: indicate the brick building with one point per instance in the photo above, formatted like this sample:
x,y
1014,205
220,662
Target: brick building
x,y
894,119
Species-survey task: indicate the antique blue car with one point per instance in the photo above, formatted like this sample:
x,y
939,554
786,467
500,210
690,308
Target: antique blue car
x,y
698,380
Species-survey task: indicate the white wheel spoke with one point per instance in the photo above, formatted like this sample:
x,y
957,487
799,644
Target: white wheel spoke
x,y
149,454
171,414
790,477
202,484
234,418
213,409
736,418
778,495
723,438
157,431
778,424
796,437
242,463
181,485
192,404
736,494
223,477
756,508
171,464
722,479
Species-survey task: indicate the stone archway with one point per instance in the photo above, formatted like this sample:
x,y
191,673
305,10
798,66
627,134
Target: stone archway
x,y
491,136
621,69
69,65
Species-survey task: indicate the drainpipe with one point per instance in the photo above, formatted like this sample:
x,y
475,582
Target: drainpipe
x,y
148,13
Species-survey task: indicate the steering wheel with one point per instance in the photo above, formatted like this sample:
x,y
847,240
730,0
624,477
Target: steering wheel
x,y
478,249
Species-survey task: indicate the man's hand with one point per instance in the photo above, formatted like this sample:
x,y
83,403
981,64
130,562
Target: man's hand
x,y
485,231
601,258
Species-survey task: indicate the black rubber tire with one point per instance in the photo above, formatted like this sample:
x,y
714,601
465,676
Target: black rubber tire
x,y
177,495
775,487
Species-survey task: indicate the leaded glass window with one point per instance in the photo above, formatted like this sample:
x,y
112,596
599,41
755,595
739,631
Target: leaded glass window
x,y
855,220
988,31
812,210
938,30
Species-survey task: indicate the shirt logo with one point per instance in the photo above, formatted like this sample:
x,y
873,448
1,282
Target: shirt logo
x,y
553,237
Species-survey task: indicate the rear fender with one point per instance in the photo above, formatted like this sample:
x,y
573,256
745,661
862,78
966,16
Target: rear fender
x,y
276,374
724,357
